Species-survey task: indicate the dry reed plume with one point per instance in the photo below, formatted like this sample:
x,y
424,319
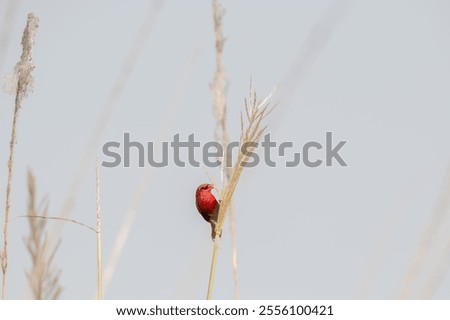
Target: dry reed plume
x,y
43,277
23,84
251,132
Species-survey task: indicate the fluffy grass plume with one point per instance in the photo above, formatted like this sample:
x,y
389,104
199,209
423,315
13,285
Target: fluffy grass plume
x,y
23,84
252,130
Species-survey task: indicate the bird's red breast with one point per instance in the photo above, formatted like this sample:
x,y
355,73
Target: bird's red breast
x,y
207,205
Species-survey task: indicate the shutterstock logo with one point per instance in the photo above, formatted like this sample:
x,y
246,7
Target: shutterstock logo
x,y
186,152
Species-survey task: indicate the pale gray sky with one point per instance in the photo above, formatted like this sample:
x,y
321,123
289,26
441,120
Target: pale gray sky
x,y
375,73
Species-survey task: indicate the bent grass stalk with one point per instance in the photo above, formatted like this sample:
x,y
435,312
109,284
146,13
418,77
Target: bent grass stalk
x,y
97,230
43,276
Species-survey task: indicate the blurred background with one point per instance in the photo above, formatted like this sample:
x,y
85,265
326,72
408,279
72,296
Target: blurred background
x,y
375,73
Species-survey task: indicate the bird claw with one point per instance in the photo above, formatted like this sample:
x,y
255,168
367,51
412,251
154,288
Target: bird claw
x,y
215,230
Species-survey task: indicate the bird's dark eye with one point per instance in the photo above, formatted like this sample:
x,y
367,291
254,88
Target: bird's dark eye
x,y
205,187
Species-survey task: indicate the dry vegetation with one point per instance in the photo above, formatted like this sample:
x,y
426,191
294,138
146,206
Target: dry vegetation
x,y
44,277
252,130
219,87
22,83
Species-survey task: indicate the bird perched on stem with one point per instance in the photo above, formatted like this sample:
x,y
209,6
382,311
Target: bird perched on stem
x,y
207,206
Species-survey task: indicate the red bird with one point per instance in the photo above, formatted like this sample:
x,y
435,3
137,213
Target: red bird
x,y
207,205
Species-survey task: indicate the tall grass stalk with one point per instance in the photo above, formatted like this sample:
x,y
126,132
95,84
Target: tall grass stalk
x,y
212,272
219,88
234,256
99,234
23,84
251,132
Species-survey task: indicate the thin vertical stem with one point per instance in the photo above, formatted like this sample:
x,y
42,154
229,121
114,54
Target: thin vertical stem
x,y
99,236
8,199
213,267
234,257
219,88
